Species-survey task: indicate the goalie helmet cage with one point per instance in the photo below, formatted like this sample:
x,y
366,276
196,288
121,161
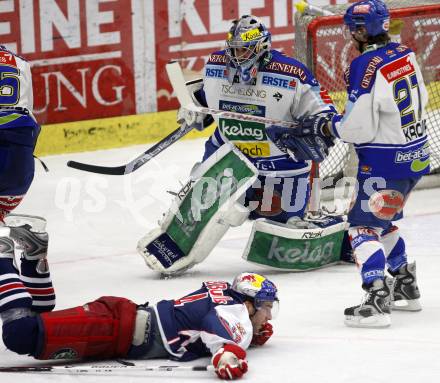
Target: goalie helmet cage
x,y
319,43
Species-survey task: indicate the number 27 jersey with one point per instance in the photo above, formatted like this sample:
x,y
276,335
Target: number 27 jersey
x,y
385,115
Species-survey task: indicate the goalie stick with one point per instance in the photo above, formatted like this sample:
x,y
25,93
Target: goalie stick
x,y
138,161
105,369
177,80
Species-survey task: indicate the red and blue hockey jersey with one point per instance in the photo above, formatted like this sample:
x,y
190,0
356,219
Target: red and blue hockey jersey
x,y
200,323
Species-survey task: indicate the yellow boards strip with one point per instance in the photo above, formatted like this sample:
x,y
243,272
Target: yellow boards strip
x,y
107,133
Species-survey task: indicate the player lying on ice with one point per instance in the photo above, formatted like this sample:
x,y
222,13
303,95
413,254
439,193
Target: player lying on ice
x,y
245,174
219,319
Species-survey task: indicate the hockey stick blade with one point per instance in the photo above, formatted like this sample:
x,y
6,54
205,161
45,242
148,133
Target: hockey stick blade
x,y
138,161
178,82
105,369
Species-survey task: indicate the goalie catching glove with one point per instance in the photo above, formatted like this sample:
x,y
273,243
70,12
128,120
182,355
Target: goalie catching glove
x,y
230,362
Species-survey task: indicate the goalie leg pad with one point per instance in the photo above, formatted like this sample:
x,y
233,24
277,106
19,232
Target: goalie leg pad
x,y
201,214
99,329
296,246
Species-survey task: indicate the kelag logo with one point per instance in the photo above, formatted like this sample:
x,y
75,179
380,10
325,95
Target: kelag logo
x,y
256,110
242,130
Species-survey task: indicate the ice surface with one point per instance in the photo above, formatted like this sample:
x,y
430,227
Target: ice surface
x,y
92,253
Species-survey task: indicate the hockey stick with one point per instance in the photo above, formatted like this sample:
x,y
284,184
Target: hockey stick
x,y
138,161
178,81
106,369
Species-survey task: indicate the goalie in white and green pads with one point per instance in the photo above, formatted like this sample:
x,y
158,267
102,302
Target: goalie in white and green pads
x,y
298,245
201,213
270,182
213,200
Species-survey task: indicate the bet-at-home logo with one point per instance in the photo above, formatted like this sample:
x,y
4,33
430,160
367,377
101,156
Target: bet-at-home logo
x,y
236,130
321,254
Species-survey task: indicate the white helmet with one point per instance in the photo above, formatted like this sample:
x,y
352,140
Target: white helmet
x,y
258,288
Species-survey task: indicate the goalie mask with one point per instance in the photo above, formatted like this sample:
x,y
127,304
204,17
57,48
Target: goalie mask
x,y
248,43
259,290
369,18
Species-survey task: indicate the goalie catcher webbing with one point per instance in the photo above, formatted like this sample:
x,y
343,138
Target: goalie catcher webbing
x,y
201,212
299,246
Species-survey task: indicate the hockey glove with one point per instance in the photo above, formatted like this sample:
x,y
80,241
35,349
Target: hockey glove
x,y
303,148
263,335
192,118
230,362
313,126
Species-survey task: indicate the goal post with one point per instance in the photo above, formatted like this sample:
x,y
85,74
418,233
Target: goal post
x,y
319,43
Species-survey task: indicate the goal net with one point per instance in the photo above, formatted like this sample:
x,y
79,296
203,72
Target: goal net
x,y
319,43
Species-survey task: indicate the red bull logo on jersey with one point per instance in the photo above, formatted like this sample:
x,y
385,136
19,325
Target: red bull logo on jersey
x,y
215,291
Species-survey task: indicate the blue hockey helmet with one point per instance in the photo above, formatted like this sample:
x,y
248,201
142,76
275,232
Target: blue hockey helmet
x,y
247,42
258,289
373,15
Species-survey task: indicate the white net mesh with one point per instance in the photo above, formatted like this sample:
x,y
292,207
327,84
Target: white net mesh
x,y
319,43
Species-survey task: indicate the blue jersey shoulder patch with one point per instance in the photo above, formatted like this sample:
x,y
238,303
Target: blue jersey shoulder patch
x,y
285,65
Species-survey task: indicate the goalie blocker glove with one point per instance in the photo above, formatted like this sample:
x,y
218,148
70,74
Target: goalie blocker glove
x,y
197,120
230,362
303,147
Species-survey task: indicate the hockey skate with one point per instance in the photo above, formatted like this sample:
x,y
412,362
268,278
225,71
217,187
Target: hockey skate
x,y
406,292
31,239
374,311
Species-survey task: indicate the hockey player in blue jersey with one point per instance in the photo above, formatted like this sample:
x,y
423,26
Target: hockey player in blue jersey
x,y
247,77
385,119
219,319
18,136
18,130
